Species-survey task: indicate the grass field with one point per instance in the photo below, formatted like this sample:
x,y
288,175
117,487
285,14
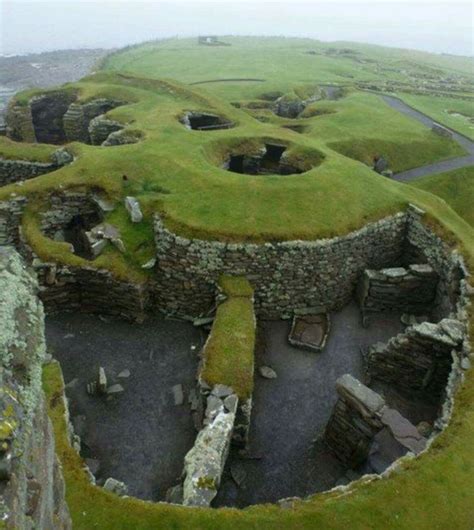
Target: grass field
x,y
455,113
177,172
455,187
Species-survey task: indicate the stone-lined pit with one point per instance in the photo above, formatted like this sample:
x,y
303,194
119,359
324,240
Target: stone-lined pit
x,y
203,121
58,118
270,159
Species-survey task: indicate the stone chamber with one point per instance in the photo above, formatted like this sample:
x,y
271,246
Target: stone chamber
x,y
307,422
268,158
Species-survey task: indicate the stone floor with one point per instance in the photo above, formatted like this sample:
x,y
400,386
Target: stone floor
x,y
290,412
139,436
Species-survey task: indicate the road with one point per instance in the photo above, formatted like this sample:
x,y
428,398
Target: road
x,y
437,167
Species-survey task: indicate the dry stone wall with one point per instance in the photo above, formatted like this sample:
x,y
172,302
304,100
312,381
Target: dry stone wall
x,y
79,115
359,416
286,276
406,290
32,486
57,118
418,361
19,123
448,264
19,170
289,277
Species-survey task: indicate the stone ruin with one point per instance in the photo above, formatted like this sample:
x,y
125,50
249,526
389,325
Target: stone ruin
x,y
364,423
269,160
57,117
204,121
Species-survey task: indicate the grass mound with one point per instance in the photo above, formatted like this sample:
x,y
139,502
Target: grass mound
x,y
229,351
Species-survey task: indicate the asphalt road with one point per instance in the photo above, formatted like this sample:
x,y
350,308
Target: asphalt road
x,y
437,167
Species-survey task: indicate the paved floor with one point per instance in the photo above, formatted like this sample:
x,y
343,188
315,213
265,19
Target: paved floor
x,y
140,436
290,412
437,167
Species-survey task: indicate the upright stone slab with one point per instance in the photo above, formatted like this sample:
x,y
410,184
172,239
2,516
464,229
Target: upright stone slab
x,y
354,422
204,463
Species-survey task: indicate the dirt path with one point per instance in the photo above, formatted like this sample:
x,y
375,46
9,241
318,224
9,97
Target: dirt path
x,y
437,167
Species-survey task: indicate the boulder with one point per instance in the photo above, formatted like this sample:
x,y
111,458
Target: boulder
x,y
178,394
133,208
115,486
102,381
267,372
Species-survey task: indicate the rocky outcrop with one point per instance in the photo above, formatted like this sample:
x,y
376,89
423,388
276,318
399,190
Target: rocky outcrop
x,y
32,487
418,361
399,289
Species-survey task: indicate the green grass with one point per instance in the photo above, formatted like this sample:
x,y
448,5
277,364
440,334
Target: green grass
x,y
177,172
11,150
452,112
229,351
455,187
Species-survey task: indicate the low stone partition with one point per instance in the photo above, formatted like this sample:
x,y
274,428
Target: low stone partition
x,y
406,290
18,170
31,483
227,357
357,418
418,362
90,290
204,463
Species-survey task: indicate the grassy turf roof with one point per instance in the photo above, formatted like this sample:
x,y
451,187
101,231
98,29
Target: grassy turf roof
x,y
228,354
176,172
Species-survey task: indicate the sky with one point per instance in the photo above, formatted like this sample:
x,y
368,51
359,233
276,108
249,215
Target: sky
x,y
35,26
